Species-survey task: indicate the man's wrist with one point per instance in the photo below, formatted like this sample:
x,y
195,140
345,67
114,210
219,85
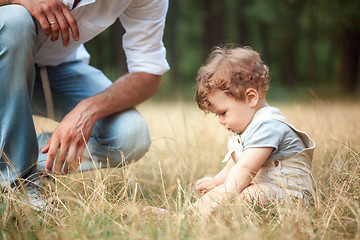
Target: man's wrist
x,y
14,2
90,109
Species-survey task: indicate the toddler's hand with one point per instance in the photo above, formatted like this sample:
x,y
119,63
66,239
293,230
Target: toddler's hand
x,y
205,184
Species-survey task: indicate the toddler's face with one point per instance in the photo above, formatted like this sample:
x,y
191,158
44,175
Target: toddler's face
x,y
234,115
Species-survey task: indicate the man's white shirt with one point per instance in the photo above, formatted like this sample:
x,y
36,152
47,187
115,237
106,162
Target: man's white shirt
x,y
143,20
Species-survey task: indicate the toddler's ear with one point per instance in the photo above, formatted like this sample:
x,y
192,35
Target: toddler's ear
x,y
252,97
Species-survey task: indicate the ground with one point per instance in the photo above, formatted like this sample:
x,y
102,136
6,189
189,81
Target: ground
x,y
187,145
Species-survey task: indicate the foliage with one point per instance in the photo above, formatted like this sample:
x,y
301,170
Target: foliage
x,y
299,40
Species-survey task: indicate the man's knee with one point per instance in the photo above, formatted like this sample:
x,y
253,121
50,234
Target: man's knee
x,y
135,141
124,136
16,26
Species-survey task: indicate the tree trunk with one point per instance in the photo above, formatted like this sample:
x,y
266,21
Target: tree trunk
x,y
172,46
349,59
265,42
243,22
288,67
311,47
214,23
244,38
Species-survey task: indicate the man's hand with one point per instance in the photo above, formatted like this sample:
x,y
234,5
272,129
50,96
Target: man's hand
x,y
68,138
54,18
69,141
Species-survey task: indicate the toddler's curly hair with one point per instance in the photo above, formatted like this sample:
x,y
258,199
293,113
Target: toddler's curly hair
x,y
232,71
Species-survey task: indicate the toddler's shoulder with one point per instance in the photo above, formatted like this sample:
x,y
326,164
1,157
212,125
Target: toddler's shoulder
x,y
270,125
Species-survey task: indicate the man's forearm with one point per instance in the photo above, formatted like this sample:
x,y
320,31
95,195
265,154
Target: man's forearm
x,y
74,131
7,2
126,92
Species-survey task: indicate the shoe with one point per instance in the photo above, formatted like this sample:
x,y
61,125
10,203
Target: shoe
x,y
36,196
33,193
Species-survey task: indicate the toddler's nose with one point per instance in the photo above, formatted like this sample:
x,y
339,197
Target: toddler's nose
x,y
221,120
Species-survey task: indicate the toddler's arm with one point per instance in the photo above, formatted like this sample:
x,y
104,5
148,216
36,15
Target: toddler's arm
x,y
205,184
238,178
246,169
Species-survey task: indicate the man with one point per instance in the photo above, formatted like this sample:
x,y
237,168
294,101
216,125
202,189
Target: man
x,y
41,49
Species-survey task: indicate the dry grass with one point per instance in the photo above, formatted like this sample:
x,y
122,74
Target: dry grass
x,y
188,145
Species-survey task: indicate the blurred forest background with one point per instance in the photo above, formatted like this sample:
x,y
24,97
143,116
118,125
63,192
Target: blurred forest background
x,y
311,46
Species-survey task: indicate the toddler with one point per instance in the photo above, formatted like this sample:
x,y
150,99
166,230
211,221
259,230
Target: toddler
x,y
268,158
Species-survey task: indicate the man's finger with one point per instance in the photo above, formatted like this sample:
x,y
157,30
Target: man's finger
x,y
64,27
71,159
77,161
54,26
72,23
46,147
44,23
73,166
51,154
60,159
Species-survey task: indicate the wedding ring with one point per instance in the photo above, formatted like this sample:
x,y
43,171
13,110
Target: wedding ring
x,y
51,23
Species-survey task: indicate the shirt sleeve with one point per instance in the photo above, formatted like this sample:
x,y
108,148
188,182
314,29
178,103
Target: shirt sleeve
x,y
269,133
144,23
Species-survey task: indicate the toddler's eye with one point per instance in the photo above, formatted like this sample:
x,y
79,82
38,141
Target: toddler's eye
x,y
220,114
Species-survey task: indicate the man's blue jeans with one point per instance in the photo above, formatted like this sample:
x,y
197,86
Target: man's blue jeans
x,y
123,136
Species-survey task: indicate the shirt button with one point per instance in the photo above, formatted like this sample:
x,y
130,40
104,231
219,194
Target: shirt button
x,y
276,163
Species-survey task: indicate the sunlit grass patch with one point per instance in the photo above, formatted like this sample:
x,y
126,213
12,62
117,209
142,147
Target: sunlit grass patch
x,y
187,145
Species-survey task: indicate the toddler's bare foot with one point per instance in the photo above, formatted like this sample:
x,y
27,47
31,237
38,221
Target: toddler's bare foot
x,y
155,210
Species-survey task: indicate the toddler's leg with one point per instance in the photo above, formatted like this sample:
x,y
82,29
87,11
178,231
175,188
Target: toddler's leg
x,y
259,193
